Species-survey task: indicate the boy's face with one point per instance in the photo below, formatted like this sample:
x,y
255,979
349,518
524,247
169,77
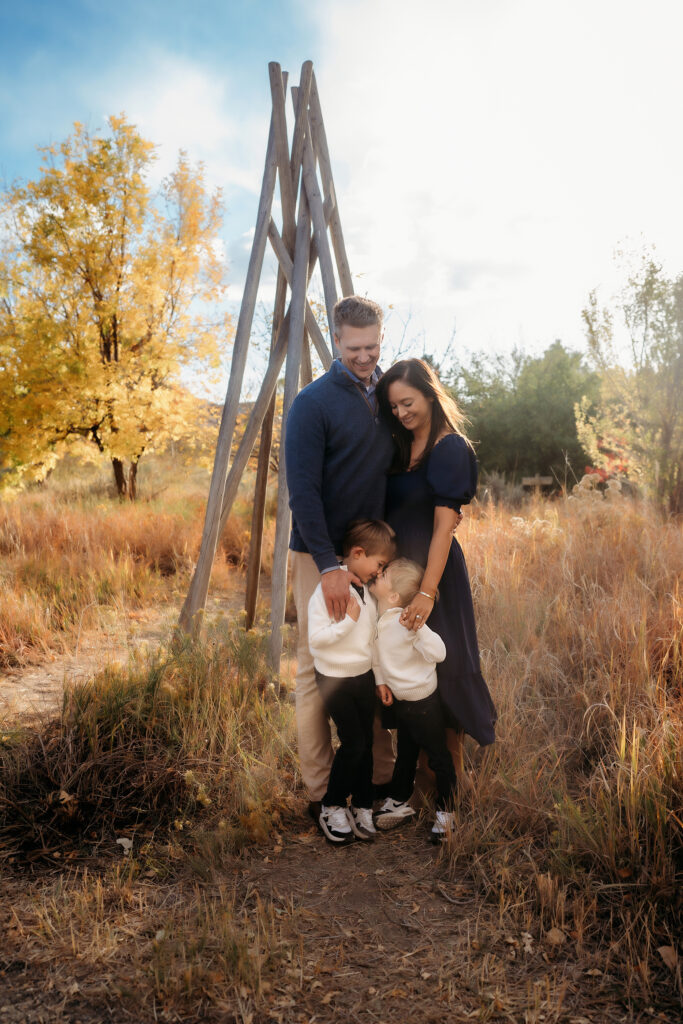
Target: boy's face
x,y
358,348
366,567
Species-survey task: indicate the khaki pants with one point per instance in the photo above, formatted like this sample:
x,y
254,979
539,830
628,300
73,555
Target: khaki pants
x,y
313,727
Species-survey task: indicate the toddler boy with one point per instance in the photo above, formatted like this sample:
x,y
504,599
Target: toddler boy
x,y
404,663
342,655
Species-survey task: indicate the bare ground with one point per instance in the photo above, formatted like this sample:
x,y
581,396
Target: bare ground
x,y
372,933
38,689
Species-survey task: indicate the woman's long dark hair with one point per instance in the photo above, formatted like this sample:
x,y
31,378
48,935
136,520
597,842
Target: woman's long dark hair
x,y
446,415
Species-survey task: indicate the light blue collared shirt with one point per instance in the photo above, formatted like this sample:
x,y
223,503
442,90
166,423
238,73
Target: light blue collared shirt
x,y
369,389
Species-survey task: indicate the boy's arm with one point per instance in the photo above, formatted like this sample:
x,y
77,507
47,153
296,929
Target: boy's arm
x,y
429,644
383,691
322,631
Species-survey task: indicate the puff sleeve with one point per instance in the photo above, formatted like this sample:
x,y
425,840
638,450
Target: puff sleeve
x,y
452,472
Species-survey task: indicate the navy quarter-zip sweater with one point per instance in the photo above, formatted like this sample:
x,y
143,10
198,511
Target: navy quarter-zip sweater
x,y
337,455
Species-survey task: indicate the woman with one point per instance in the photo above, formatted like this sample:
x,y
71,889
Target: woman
x,y
434,473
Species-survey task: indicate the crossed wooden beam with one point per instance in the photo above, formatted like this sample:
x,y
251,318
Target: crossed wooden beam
x,y
304,170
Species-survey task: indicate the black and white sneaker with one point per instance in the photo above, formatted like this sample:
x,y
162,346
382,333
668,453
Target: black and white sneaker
x,y
393,813
443,827
360,820
335,825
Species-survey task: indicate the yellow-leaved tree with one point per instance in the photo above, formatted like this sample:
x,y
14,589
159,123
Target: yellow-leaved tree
x,y
108,292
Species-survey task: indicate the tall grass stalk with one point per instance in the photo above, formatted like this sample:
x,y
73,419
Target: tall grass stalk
x,y
578,810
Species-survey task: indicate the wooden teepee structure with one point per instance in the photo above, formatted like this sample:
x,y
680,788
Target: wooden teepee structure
x,y
309,213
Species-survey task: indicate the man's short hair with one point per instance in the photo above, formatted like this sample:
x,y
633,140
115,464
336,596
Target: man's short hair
x,y
372,535
356,312
406,578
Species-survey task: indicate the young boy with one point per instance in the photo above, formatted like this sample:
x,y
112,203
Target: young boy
x,y
342,655
404,663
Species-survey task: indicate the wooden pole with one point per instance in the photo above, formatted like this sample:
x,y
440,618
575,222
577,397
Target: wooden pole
x,y
315,203
306,366
261,484
255,421
286,266
296,336
260,491
303,93
196,596
277,89
322,152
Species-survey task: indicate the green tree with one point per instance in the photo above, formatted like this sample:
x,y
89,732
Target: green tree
x,y
104,294
639,422
521,409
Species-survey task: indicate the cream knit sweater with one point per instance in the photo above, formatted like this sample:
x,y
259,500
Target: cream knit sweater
x,y
341,648
405,660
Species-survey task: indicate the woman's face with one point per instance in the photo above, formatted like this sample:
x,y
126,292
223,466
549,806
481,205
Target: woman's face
x,y
409,406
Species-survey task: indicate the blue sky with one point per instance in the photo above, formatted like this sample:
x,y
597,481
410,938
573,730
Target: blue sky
x,y
489,157
62,60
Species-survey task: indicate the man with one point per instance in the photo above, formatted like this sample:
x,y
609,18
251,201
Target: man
x,y
338,453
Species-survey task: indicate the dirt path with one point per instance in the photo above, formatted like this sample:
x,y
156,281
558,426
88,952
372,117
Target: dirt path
x,y
37,689
378,932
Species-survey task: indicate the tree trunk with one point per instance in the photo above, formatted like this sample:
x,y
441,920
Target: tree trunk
x,y
120,478
133,480
126,487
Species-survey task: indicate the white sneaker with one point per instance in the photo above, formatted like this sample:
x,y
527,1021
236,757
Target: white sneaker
x,y
393,813
335,824
360,820
443,826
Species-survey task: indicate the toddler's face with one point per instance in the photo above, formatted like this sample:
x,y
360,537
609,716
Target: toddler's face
x,y
380,587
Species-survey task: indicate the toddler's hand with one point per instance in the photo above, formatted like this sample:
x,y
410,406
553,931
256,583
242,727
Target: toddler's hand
x,y
385,695
353,609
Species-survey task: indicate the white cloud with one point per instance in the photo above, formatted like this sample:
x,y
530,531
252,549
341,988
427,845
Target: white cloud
x,y
180,105
490,156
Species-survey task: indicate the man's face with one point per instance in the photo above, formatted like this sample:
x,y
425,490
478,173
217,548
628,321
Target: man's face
x,y
358,348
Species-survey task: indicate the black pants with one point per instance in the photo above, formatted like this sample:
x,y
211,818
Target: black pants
x,y
421,727
350,703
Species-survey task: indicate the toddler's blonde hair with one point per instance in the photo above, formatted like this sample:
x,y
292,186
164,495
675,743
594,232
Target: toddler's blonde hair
x,y
406,577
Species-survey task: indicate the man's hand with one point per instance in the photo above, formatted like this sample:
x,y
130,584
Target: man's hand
x,y
336,592
385,695
353,609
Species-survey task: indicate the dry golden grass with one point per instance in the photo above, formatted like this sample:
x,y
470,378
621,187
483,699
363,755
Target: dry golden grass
x,y
577,813
565,875
68,551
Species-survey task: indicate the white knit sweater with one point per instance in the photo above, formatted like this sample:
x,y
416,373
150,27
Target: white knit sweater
x,y
341,648
405,660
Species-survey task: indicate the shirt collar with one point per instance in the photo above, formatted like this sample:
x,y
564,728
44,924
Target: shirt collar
x,y
390,613
376,373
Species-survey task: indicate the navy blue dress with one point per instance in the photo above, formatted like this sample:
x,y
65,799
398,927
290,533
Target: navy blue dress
x,y
448,476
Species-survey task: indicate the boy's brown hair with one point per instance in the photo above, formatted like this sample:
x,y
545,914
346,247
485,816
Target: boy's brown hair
x,y
372,535
356,312
406,578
